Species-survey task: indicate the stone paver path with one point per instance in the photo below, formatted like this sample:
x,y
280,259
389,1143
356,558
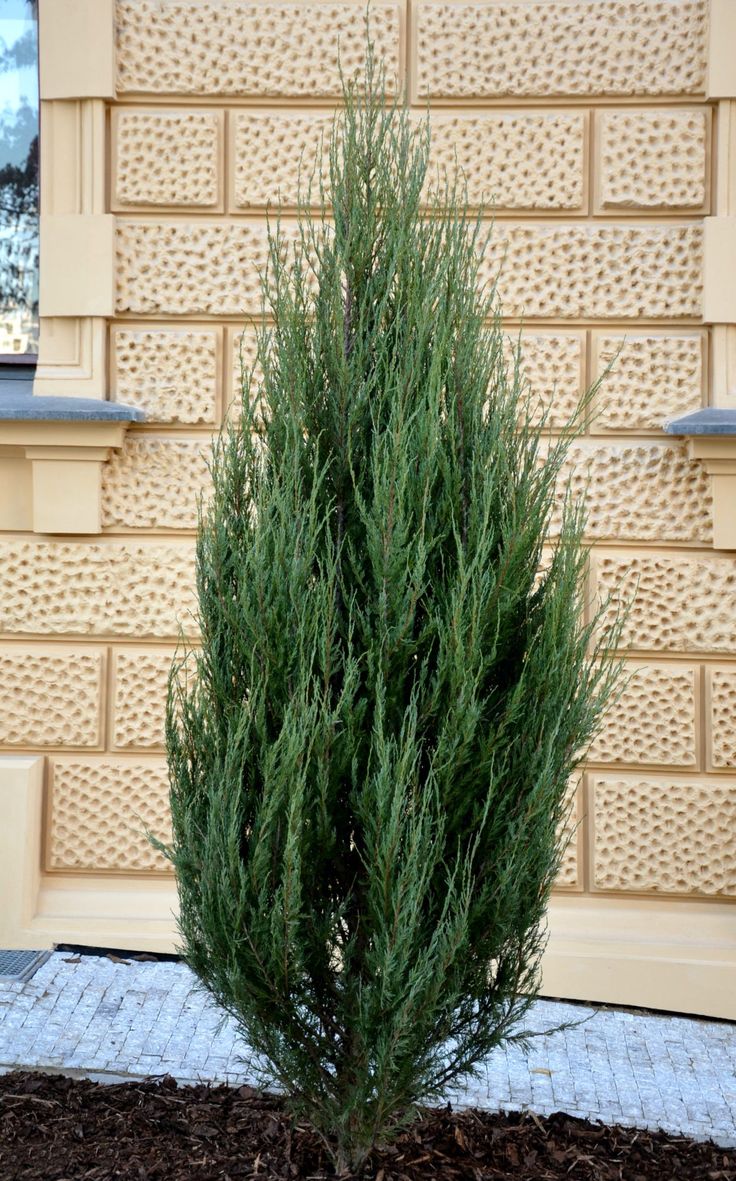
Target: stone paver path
x,y
111,1020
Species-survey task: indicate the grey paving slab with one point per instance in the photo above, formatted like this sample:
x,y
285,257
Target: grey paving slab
x,y
108,1021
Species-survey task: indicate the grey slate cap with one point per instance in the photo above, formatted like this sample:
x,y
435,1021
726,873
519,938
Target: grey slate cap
x,y
17,404
712,420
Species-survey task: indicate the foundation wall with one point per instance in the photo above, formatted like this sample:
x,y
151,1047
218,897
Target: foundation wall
x,y
590,126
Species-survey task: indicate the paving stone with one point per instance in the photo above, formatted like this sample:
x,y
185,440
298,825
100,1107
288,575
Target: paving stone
x,y
110,1021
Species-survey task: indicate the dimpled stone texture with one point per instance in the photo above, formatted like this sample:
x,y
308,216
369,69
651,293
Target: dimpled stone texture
x,y
653,720
620,47
141,679
170,373
722,717
520,161
597,271
243,348
653,378
274,154
50,698
167,158
239,48
517,161
568,271
677,603
665,836
552,367
100,811
81,588
568,876
179,268
155,484
652,159
640,491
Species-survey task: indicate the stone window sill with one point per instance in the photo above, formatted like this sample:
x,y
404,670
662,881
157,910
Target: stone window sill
x,y
51,455
711,438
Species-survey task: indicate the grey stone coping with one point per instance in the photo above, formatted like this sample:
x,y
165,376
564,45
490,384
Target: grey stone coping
x,y
713,420
18,404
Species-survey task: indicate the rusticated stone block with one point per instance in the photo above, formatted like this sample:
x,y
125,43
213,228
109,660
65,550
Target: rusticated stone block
x,y
664,835
178,268
654,377
274,154
50,696
83,588
552,270
171,373
569,875
552,365
721,708
496,50
100,811
155,483
597,271
238,47
652,159
139,703
167,158
243,349
677,603
524,160
653,720
640,491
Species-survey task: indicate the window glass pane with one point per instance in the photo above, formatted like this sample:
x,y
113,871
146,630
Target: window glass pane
x,y
18,177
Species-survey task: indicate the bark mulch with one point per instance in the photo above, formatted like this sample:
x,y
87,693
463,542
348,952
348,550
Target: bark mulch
x,y
54,1128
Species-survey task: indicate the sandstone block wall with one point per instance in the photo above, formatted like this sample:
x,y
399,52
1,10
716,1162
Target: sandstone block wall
x,y
586,123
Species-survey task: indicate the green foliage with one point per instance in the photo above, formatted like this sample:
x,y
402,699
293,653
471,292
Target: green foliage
x,y
371,751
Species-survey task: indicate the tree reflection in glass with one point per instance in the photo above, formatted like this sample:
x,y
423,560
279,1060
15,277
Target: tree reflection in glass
x,y
18,177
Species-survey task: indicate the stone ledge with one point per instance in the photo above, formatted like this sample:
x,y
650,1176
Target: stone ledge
x,y
712,420
18,405
51,454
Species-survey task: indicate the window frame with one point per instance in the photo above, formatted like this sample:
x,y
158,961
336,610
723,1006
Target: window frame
x,y
29,361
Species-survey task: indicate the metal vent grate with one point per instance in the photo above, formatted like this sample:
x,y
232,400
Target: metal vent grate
x,y
20,965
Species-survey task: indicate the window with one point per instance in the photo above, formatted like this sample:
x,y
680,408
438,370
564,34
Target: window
x,y
18,180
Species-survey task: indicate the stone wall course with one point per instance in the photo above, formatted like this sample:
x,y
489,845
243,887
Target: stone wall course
x,y
492,50
550,271
519,160
245,49
90,588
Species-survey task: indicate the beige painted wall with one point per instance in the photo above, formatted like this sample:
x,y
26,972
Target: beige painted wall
x,y
167,130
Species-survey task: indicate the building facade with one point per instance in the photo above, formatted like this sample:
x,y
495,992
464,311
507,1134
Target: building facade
x,y
605,132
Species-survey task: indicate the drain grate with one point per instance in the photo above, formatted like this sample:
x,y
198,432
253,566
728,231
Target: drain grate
x,y
20,965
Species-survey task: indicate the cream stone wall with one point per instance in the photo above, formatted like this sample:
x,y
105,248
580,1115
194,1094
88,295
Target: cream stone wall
x,y
605,134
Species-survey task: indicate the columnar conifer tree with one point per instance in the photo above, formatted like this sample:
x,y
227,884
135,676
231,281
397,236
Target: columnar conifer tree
x,y
371,751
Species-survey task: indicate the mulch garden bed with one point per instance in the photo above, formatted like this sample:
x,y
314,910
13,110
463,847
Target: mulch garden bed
x,y
54,1128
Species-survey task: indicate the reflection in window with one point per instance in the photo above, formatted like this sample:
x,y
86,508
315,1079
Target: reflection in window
x,y
18,177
